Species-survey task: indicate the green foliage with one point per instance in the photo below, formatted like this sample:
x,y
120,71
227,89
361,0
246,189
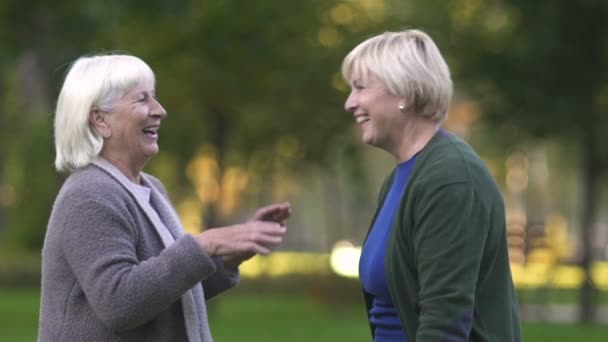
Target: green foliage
x,y
27,171
539,66
247,78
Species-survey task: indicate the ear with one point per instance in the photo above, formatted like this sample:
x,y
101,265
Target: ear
x,y
97,118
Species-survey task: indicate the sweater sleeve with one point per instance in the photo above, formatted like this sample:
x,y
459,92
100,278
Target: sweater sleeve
x,y
220,280
448,240
99,242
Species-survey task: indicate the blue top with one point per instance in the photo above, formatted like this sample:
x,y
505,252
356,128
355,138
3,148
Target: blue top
x,y
383,315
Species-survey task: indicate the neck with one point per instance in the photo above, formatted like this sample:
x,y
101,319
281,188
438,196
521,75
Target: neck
x,y
131,172
418,132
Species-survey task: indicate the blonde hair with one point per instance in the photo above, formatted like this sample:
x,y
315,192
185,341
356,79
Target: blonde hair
x,y
410,65
92,82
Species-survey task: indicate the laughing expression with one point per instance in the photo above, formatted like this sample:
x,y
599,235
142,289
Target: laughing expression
x,y
376,112
134,125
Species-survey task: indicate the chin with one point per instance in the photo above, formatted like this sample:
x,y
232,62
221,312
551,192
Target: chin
x,y
151,151
373,142
365,139
368,140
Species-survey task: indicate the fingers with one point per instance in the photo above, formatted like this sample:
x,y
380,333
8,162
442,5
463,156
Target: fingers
x,y
262,213
265,228
277,212
255,248
266,234
268,240
257,237
280,215
263,235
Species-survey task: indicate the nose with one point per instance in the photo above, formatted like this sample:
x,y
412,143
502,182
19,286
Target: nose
x,y
158,109
351,103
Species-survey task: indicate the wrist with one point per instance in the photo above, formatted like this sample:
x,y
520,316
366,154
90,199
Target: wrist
x,y
207,245
211,248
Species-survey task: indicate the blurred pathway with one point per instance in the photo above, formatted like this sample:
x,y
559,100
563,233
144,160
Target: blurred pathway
x,y
558,313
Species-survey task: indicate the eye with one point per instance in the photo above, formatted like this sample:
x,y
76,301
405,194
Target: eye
x,y
357,85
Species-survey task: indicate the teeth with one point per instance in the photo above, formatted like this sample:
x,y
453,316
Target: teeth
x,y
150,129
361,119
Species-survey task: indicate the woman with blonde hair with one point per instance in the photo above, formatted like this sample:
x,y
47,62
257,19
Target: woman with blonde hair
x,y
434,266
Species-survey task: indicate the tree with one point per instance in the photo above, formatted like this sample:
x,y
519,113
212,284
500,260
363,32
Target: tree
x,y
248,79
36,37
542,66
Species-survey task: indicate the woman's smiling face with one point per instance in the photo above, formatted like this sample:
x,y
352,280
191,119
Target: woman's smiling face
x,y
133,125
376,111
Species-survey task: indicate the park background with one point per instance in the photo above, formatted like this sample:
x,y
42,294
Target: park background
x,y
255,101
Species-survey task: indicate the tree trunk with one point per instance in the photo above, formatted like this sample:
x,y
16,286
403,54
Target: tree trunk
x,y
591,82
589,201
3,210
218,135
332,212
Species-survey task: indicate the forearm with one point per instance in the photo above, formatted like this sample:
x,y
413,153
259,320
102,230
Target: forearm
x,y
126,292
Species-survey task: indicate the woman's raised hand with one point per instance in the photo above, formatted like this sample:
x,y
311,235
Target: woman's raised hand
x,y
259,235
255,237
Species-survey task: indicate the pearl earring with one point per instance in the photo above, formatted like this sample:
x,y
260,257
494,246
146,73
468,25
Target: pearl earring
x,y
401,107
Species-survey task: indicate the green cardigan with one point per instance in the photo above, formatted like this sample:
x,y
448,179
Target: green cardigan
x,y
447,263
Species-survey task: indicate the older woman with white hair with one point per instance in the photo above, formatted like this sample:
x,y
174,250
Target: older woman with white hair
x,y
434,266
116,263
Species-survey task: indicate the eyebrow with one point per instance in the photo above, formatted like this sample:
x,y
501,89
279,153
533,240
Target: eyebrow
x,y
137,96
145,93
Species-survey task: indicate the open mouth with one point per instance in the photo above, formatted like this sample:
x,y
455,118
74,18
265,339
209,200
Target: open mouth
x,y
151,131
362,119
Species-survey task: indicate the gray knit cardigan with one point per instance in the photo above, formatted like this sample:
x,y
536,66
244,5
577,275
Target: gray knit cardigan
x,y
109,274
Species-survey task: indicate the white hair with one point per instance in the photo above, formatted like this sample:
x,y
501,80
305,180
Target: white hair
x,y
92,82
410,65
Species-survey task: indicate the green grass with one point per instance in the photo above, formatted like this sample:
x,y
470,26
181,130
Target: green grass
x,y
248,316
285,317
19,315
564,333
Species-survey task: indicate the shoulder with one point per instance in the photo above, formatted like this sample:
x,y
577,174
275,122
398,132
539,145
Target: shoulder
x,y
90,182
93,190
450,169
448,159
89,198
